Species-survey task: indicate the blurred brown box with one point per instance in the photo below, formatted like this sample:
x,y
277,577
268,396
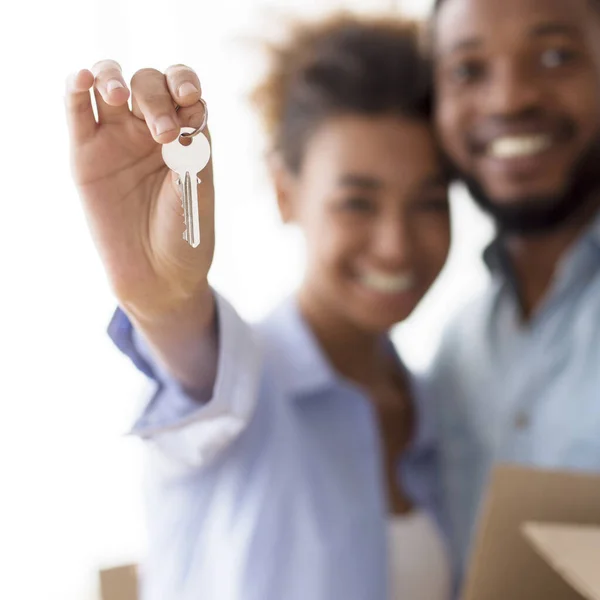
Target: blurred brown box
x,y
538,537
119,583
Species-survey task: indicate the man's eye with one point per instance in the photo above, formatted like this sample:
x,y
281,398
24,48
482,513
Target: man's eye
x,y
556,57
434,205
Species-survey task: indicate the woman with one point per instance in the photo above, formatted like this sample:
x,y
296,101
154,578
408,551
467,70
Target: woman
x,y
277,449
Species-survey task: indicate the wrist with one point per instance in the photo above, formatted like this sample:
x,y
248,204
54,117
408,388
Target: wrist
x,y
193,312
183,341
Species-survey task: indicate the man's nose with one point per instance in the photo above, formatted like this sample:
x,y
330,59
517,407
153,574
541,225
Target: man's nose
x,y
513,91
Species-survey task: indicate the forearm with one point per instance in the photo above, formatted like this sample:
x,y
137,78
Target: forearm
x,y
184,342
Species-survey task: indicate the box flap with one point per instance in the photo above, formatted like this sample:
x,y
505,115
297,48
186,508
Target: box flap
x,y
503,564
573,550
119,583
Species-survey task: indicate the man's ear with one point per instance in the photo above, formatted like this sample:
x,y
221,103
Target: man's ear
x,y
284,183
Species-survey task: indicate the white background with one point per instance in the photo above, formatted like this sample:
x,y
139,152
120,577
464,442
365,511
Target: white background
x,y
69,478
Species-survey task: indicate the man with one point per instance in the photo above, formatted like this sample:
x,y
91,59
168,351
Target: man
x,y
517,378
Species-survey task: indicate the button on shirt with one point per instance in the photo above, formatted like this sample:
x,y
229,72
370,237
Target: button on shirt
x,y
510,391
272,489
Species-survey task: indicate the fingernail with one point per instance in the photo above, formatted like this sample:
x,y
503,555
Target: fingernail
x,y
187,89
113,84
164,124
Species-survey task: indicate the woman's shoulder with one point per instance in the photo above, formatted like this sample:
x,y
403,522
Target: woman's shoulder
x,y
291,352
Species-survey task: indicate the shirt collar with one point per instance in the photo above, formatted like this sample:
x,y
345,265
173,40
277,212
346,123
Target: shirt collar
x,y
308,372
494,256
307,369
594,231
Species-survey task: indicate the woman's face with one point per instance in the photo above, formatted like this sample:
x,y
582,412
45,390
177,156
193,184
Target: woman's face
x,y
371,199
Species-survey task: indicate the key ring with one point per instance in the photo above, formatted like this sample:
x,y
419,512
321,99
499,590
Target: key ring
x,y
204,121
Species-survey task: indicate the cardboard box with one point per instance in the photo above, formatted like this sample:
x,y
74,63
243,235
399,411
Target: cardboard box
x,y
119,583
573,551
538,539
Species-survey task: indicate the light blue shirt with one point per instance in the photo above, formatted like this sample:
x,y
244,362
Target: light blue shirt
x,y
271,490
529,393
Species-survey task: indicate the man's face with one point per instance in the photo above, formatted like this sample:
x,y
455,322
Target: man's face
x,y
518,103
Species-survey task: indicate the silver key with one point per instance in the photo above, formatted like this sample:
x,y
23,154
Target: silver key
x,y
187,162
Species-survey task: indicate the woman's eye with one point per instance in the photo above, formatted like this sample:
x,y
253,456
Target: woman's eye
x,y
467,72
556,57
358,204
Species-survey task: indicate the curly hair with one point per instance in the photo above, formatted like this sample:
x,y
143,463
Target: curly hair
x,y
438,3
343,65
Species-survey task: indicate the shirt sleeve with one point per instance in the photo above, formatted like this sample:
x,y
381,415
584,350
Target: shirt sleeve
x,y
189,431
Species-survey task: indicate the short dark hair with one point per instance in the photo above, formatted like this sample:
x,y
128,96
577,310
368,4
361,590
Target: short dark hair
x,y
346,64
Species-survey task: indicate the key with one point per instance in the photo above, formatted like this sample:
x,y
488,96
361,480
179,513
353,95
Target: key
x,y
187,162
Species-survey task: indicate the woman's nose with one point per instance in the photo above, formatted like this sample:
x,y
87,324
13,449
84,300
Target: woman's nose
x,y
391,242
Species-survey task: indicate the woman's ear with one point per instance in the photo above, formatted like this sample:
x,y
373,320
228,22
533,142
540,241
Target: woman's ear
x,y
284,183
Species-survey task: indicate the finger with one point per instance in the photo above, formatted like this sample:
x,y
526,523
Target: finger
x,y
183,84
80,114
193,116
111,91
152,102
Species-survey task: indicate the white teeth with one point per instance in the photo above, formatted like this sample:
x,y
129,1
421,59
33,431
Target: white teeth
x,y
516,147
387,284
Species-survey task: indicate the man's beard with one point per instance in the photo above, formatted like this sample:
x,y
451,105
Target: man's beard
x,y
544,214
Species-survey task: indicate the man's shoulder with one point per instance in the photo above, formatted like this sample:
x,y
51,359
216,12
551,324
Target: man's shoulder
x,y
462,341
472,317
